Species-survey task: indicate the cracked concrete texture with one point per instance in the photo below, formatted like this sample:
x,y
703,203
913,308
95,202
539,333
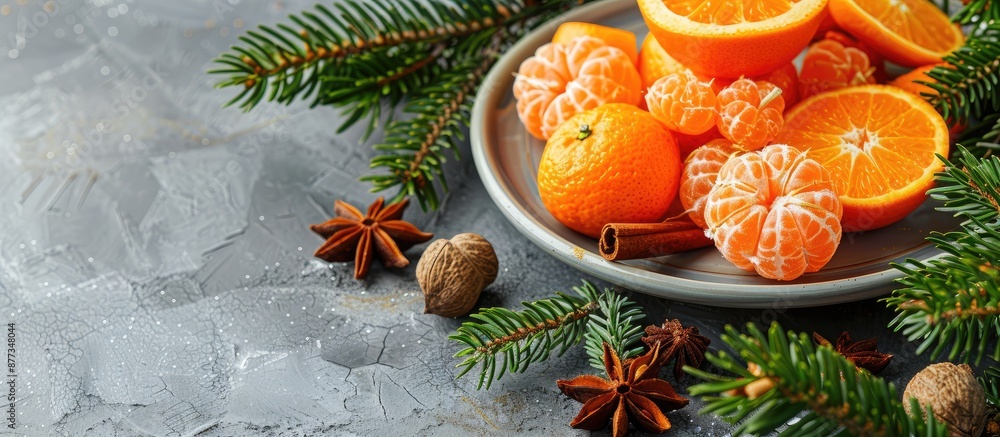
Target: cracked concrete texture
x,y
155,258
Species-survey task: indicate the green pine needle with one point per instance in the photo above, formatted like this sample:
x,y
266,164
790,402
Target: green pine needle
x,y
501,340
614,324
991,384
966,88
815,391
368,57
983,138
953,302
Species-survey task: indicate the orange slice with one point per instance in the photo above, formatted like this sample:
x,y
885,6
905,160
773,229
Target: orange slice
x,y
733,38
879,144
907,32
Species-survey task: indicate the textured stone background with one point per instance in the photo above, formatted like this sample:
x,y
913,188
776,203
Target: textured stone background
x,y
155,258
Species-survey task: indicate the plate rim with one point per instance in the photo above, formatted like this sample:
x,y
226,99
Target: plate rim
x,y
780,295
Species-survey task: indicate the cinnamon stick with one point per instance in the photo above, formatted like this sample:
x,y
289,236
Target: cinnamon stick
x,y
620,241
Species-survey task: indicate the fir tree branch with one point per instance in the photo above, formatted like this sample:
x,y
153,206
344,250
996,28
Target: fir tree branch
x,y
954,300
291,59
966,87
971,188
615,325
798,377
525,337
367,57
978,14
991,384
438,114
983,137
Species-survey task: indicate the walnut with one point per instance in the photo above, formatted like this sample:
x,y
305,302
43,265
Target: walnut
x,y
452,273
953,394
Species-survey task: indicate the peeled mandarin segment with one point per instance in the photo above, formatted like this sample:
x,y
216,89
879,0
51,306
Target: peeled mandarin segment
x,y
750,113
733,38
775,212
612,164
614,37
701,169
682,103
828,65
875,58
561,80
908,32
878,142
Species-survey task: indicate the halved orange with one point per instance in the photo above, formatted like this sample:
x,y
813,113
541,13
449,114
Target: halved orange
x,y
907,32
613,36
879,144
733,38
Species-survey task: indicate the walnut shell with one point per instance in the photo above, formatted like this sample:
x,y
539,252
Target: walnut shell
x,y
954,395
452,273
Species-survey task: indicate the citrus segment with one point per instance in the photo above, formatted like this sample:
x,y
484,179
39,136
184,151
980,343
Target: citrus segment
x,y
561,80
682,103
775,212
733,38
701,169
613,36
828,65
879,143
786,78
907,32
612,164
875,58
750,113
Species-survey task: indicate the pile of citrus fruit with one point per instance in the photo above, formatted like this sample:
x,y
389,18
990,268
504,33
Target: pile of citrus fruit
x,y
711,120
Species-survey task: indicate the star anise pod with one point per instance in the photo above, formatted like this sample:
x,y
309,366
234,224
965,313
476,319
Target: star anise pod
x,y
631,392
675,341
351,235
863,354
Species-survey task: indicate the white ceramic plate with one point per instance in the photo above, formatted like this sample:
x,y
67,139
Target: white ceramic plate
x,y
507,160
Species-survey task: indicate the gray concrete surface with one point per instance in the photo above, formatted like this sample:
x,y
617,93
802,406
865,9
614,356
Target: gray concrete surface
x,y
155,260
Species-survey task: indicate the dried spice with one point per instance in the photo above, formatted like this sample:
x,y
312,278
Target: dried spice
x,y
863,354
621,241
352,235
675,341
632,392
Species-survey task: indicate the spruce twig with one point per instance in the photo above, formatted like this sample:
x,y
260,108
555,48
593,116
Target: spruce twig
x,y
825,391
952,301
983,138
439,112
368,57
966,87
528,336
614,324
991,384
518,339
